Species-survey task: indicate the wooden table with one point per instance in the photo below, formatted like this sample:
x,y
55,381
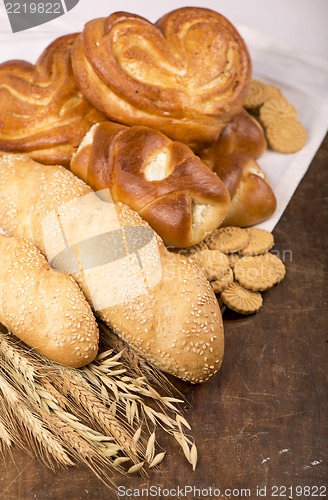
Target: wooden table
x,y
261,422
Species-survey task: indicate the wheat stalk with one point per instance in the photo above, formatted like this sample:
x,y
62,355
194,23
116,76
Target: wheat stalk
x,y
5,436
46,397
141,390
131,359
17,359
103,415
82,449
83,443
88,404
18,411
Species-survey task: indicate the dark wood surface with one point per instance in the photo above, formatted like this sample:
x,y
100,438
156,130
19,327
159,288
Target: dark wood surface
x,y
262,420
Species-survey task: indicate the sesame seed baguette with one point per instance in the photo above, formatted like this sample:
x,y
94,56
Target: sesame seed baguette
x,y
166,309
43,307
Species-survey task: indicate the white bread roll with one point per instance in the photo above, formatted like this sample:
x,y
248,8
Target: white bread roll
x,y
43,307
159,302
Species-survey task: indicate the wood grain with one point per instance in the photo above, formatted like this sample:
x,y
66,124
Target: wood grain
x,y
262,420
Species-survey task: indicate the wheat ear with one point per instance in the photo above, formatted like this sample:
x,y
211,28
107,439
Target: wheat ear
x,y
75,387
20,416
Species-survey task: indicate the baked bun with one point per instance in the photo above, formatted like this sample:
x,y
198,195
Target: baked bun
x,y
252,198
42,112
43,307
161,179
186,75
157,301
243,135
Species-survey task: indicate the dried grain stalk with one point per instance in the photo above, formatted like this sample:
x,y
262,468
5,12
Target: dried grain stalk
x,y
105,415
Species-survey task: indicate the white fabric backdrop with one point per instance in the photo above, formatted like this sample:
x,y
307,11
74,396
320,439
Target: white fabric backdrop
x,y
293,54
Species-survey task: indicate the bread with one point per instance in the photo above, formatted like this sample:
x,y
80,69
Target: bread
x,y
42,112
159,302
43,307
162,180
252,198
233,158
186,75
243,135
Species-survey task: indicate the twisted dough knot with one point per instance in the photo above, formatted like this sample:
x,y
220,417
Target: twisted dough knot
x,y
162,180
186,75
42,112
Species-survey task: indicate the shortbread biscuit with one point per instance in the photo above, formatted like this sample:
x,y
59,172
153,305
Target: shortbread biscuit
x,y
198,247
256,95
259,241
221,284
213,263
276,107
227,239
272,91
240,299
233,258
259,273
286,135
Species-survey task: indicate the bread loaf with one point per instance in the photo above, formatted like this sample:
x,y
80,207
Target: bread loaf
x,y
186,75
243,135
44,308
159,302
42,112
162,180
252,198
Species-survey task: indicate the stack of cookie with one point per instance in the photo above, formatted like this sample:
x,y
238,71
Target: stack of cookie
x,y
239,266
278,117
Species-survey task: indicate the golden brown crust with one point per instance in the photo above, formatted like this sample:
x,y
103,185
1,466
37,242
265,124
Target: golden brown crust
x,y
243,135
159,178
252,198
175,323
163,75
43,307
42,112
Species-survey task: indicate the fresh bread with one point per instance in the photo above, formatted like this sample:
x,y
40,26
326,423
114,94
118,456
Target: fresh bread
x,y
243,135
161,179
42,112
158,301
186,75
252,198
44,308
233,158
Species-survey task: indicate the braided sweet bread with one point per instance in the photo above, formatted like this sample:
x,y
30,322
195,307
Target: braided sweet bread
x,y
161,179
186,75
42,112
